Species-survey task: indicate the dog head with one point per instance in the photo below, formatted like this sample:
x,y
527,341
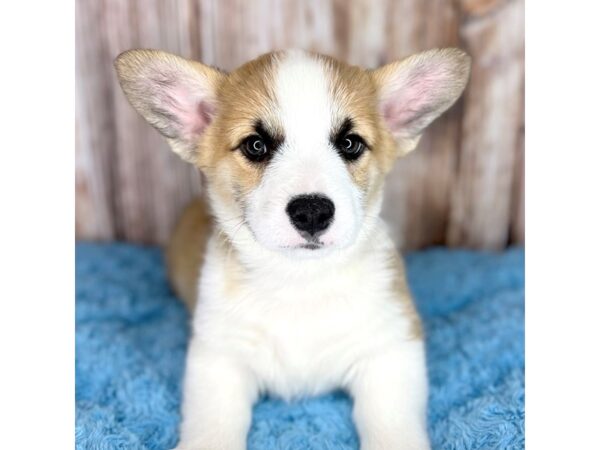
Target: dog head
x,y
295,145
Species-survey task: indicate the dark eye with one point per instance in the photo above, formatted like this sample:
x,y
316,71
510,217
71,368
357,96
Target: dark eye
x,y
255,149
351,147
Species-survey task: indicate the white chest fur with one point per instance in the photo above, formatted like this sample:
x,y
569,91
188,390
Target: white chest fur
x,y
299,328
301,331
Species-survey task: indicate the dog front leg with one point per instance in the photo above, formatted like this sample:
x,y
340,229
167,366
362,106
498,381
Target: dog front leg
x,y
390,399
217,402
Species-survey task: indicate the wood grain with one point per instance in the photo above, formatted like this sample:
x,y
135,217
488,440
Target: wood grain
x,y
463,186
480,213
418,189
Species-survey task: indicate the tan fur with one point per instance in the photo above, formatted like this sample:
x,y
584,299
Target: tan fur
x,y
185,251
357,93
402,293
244,97
357,90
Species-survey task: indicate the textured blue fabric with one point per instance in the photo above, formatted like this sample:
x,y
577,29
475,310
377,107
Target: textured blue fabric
x,y
131,342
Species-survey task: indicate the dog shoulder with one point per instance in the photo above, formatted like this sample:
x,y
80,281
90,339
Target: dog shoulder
x,y
186,250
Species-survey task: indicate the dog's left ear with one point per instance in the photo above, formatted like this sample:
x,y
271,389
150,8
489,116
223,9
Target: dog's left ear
x,y
175,95
416,90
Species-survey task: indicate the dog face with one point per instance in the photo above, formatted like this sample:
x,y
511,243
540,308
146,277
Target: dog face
x,y
295,146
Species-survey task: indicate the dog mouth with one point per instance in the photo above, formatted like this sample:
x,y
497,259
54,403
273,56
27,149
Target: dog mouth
x,y
312,245
311,242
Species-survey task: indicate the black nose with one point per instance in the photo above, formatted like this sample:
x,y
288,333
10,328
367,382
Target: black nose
x,y
310,213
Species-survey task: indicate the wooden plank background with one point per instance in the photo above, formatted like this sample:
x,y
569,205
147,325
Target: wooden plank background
x,y
463,186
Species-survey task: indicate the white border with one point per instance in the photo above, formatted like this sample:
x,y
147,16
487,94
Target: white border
x,y
37,204
562,151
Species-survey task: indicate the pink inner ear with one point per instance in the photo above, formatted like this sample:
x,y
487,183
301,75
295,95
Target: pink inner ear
x,y
409,96
191,110
205,113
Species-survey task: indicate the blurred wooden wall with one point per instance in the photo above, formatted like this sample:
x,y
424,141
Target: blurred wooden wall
x,y
463,186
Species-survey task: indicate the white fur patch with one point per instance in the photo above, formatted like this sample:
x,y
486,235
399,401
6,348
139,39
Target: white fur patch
x,y
306,163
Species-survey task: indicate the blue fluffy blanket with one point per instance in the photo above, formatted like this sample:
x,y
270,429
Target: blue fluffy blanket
x,y
131,343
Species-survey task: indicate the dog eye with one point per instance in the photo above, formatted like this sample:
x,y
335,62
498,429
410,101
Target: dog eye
x,y
351,147
255,149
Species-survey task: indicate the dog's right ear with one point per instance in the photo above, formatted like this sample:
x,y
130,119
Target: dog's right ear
x,y
416,90
175,95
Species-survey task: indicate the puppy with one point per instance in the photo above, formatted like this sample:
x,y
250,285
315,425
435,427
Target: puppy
x,y
295,287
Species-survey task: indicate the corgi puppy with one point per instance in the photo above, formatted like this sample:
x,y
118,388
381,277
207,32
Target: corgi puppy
x,y
294,285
